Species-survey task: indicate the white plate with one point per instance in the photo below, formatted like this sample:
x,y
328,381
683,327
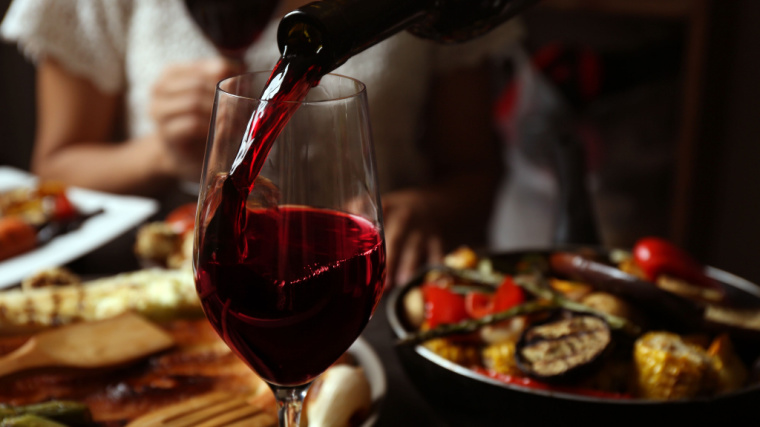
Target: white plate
x,y
373,369
120,214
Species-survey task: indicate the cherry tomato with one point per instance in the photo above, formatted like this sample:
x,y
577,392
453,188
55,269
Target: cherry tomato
x,y
658,256
478,304
182,218
63,209
442,306
508,295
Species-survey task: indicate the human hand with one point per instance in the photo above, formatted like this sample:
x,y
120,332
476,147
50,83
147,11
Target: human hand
x,y
413,234
181,104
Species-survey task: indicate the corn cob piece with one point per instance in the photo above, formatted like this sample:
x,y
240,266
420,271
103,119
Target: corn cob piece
x,y
500,357
668,368
459,353
154,293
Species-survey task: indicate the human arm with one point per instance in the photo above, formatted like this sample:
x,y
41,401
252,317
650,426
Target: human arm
x,y
77,138
421,224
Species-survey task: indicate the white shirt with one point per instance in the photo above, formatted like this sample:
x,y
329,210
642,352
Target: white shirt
x,y
123,45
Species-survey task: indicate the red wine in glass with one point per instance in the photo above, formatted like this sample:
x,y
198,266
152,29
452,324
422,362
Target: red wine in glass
x,y
232,25
303,294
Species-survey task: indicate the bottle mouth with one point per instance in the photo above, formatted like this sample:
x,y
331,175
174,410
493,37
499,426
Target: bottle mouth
x,y
331,88
301,34
334,31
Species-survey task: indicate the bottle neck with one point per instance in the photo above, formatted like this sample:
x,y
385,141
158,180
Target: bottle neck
x,y
336,30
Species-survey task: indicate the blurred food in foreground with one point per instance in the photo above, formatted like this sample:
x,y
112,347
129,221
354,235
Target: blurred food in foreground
x,y
155,293
199,363
88,345
592,323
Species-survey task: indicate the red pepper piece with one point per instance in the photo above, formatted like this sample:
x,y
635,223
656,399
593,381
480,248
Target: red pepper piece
x,y
442,306
478,304
658,256
508,295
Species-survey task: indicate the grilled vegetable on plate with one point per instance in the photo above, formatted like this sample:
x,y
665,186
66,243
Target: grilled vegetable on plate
x,y
595,333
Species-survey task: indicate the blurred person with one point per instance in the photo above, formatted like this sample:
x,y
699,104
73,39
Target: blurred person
x,y
125,90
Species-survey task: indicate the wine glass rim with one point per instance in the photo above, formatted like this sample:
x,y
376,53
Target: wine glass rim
x,y
360,90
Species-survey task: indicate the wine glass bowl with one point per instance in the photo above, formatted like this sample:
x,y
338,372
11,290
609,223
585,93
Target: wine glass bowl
x,y
292,281
232,25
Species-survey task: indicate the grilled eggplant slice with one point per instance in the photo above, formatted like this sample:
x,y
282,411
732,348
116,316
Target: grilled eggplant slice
x,y
563,349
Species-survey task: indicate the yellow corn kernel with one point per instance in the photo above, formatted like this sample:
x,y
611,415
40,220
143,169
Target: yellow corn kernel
x,y
500,357
459,353
668,368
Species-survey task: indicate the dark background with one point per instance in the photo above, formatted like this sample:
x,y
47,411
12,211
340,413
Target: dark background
x,y
711,200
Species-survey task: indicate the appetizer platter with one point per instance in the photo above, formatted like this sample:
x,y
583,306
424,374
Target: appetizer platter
x,y
596,334
138,348
47,224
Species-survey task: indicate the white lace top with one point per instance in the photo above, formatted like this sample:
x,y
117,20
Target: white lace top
x,y
122,46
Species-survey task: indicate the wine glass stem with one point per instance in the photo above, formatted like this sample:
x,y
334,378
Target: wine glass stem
x,y
290,403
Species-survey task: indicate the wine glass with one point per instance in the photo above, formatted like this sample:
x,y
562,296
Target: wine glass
x,y
232,25
291,282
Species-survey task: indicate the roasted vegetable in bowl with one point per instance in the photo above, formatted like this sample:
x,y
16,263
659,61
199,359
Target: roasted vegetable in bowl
x,y
585,323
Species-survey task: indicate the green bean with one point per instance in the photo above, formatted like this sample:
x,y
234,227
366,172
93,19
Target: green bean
x,y
66,412
29,420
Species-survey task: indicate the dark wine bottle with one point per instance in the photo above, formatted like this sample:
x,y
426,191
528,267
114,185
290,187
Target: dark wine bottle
x,y
336,30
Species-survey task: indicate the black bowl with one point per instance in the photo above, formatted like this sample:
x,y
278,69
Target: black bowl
x,y
467,398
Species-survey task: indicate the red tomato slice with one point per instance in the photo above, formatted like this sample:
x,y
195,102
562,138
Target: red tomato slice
x,y
182,218
478,304
507,296
442,306
63,209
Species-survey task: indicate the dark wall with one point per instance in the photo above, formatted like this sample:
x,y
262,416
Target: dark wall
x,y
724,221
16,104
727,231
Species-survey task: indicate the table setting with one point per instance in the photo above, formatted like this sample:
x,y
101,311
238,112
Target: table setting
x,y
267,301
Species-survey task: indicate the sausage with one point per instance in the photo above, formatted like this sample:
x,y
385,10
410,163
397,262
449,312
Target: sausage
x,y
16,237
